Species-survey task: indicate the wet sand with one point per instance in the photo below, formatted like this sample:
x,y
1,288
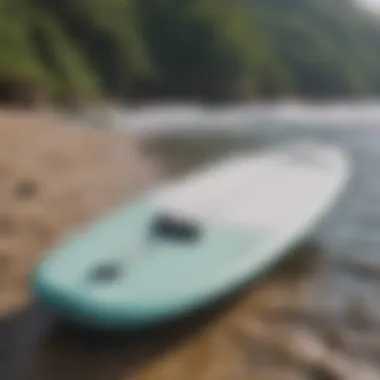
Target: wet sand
x,y
55,177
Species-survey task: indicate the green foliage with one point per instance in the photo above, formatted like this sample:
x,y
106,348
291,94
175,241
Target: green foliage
x,y
329,46
191,48
72,74
16,55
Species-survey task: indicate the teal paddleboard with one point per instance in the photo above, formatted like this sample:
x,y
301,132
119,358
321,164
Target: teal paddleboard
x,y
192,241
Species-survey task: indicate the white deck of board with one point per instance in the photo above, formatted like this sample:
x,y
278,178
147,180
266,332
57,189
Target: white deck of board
x,y
267,191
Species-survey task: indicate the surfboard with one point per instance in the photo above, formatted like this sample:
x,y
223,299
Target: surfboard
x,y
194,240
